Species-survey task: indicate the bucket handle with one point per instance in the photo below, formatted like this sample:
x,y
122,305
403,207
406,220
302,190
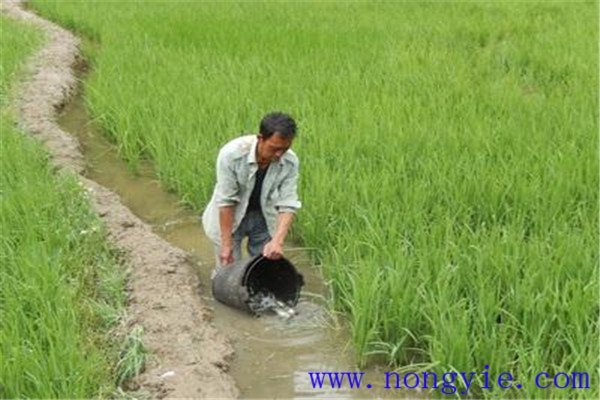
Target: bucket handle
x,y
252,263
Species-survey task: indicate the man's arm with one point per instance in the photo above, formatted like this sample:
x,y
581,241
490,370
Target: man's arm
x,y
274,249
286,205
227,198
226,214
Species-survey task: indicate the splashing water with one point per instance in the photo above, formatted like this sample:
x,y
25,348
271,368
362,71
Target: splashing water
x,y
263,302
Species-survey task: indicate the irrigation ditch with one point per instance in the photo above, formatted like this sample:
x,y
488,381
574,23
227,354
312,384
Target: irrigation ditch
x,y
198,347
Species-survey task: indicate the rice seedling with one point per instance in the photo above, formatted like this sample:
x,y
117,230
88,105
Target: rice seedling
x,y
61,288
132,357
449,156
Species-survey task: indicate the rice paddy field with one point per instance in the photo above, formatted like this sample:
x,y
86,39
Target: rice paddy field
x,y
61,290
449,158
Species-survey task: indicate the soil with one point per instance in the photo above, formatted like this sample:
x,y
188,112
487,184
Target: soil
x,y
188,356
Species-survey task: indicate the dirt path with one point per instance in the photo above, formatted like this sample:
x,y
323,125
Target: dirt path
x,y
164,296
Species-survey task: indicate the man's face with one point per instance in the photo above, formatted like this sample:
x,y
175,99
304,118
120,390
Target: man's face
x,y
273,148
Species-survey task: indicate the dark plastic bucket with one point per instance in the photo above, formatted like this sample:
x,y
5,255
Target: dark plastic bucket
x,y
236,284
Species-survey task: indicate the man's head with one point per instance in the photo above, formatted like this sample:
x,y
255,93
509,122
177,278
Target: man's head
x,y
276,133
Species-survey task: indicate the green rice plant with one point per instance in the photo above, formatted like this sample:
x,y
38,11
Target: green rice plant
x,y
449,156
60,286
133,356
52,344
14,52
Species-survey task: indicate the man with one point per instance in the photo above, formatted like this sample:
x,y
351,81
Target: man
x,y
256,192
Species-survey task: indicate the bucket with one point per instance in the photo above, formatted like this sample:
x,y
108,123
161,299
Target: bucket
x,y
236,284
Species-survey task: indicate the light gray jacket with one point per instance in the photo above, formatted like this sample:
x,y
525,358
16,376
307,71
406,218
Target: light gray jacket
x,y
236,174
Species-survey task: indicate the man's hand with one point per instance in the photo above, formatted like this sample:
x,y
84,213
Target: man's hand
x,y
273,250
226,255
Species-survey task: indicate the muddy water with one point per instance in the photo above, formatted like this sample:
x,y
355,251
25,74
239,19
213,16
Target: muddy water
x,y
273,355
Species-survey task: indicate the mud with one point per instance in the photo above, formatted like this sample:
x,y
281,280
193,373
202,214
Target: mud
x,y
189,357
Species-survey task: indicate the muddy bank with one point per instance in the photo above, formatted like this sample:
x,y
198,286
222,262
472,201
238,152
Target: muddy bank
x,y
165,291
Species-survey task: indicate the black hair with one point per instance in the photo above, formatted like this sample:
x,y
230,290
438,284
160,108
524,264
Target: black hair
x,y
277,122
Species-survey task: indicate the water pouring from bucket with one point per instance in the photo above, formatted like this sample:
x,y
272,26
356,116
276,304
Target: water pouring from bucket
x,y
258,285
